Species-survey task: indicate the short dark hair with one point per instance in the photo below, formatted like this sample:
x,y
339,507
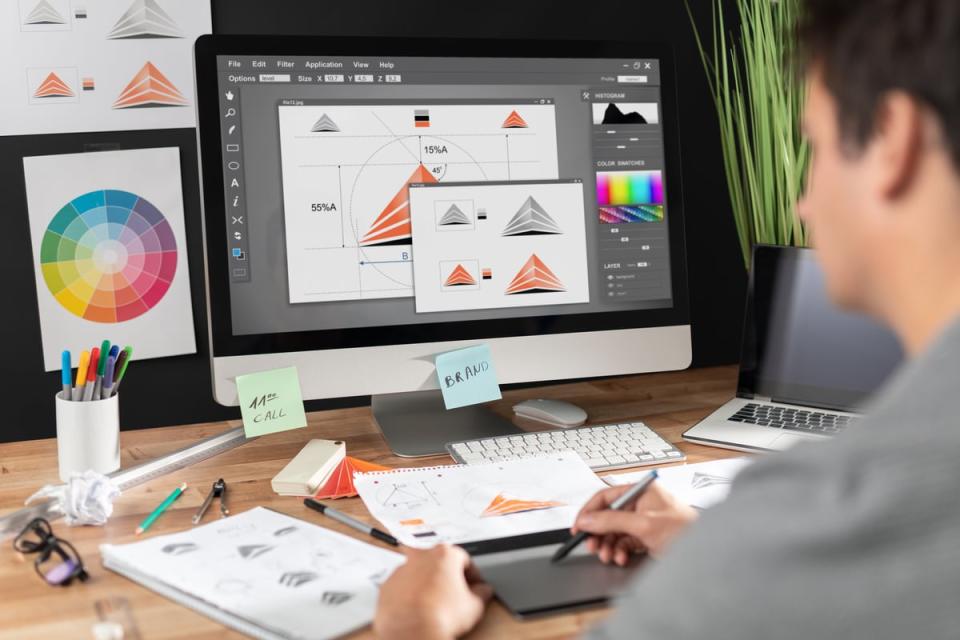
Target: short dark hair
x,y
867,48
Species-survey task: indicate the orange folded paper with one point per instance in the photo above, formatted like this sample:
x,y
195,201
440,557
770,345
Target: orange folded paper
x,y
340,482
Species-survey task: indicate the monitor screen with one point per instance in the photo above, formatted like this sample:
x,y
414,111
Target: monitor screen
x,y
799,346
369,194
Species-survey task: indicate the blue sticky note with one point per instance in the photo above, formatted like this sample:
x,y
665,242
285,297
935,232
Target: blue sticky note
x,y
466,377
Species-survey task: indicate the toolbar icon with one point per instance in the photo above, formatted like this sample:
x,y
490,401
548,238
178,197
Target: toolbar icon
x,y
233,165
238,254
233,147
236,201
237,235
230,113
232,128
235,183
236,219
228,95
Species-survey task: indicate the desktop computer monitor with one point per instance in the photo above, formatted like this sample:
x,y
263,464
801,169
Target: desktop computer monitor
x,y
372,202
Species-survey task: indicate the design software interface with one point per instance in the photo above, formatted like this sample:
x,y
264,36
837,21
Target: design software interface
x,y
392,191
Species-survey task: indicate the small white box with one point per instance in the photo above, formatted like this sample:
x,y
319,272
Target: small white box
x,y
309,469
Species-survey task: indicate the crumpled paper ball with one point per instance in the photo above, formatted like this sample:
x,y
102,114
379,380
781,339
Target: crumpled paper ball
x,y
87,498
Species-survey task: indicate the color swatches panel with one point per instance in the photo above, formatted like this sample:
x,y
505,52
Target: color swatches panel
x,y
108,256
629,187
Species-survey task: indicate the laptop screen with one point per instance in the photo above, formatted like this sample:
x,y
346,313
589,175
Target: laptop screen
x,y
798,347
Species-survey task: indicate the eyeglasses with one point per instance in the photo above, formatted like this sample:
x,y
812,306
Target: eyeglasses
x,y
58,563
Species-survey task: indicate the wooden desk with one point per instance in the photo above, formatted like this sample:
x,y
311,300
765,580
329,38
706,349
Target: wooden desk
x,y
29,609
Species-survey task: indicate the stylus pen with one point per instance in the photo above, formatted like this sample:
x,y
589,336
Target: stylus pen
x,y
343,518
633,493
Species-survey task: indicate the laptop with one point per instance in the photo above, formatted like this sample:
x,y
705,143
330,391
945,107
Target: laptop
x,y
806,366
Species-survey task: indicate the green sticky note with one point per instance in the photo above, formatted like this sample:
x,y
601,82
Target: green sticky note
x,y
271,401
466,377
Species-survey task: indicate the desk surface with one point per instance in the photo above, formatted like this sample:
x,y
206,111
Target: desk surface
x,y
29,609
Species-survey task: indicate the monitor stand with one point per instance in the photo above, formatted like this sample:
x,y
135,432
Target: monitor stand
x,y
417,424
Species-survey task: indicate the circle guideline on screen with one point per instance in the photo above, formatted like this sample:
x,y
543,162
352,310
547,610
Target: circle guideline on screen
x,y
108,256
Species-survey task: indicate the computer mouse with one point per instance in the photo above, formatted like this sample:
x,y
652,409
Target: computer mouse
x,y
557,413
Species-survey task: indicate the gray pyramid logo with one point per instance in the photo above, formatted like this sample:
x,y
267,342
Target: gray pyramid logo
x,y
144,19
704,480
531,220
453,216
44,13
324,124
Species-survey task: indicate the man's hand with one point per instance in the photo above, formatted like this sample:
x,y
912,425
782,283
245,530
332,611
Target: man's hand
x,y
435,595
651,524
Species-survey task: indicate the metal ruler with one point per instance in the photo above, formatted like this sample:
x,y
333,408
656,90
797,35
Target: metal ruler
x,y
13,523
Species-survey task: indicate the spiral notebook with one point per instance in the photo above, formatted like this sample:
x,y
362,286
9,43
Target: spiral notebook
x,y
263,573
469,503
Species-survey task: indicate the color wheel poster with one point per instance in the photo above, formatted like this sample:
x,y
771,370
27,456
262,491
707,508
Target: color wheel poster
x,y
109,249
109,65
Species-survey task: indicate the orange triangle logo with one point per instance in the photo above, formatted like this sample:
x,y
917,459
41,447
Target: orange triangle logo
x,y
514,121
501,506
149,88
53,87
393,223
459,276
534,276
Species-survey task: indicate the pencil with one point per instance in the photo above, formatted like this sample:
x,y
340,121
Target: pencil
x,y
149,520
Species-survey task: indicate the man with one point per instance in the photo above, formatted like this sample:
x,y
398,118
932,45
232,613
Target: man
x,y
859,536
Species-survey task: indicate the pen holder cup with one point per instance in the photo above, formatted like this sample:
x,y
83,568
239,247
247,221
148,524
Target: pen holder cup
x,y
88,435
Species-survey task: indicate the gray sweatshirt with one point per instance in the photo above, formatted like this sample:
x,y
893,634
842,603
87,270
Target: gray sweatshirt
x,y
854,537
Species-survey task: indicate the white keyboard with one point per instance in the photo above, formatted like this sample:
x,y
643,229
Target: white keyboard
x,y
603,447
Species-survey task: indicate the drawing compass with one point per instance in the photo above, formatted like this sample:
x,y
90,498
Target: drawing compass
x,y
218,490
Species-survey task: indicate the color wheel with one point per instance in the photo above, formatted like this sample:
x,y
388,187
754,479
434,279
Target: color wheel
x,y
108,256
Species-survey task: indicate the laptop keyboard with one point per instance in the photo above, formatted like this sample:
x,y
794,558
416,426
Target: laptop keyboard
x,y
791,418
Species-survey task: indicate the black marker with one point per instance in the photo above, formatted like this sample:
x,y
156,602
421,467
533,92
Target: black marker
x,y
343,518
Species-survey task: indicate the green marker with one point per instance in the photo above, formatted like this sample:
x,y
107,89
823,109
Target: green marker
x,y
123,359
149,520
101,367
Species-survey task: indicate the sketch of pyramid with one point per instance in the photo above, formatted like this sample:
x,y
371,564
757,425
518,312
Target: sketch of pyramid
x,y
393,223
325,123
531,219
534,277
297,578
459,277
704,480
454,216
335,598
253,550
53,87
179,548
44,13
144,19
149,88
514,121
502,505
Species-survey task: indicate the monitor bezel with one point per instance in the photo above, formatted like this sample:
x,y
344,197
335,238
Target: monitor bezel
x,y
210,149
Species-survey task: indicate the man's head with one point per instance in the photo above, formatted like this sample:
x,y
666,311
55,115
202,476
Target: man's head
x,y
883,119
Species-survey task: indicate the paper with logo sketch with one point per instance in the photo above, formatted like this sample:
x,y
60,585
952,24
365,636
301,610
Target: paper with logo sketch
x,y
700,485
460,503
263,573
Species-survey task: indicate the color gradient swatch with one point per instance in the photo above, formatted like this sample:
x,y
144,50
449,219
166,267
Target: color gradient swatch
x,y
108,256
339,483
629,187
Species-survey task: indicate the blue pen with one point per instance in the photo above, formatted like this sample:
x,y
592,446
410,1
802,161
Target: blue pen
x,y
107,387
65,372
114,350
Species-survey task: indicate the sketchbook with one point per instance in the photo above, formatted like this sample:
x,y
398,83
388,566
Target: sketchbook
x,y
468,503
263,573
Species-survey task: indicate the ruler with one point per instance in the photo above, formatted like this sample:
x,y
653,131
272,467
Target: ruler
x,y
13,523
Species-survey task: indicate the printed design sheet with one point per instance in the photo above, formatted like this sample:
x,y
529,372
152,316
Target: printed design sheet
x,y
461,503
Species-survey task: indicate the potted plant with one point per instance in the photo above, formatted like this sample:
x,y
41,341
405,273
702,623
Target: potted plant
x,y
758,100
